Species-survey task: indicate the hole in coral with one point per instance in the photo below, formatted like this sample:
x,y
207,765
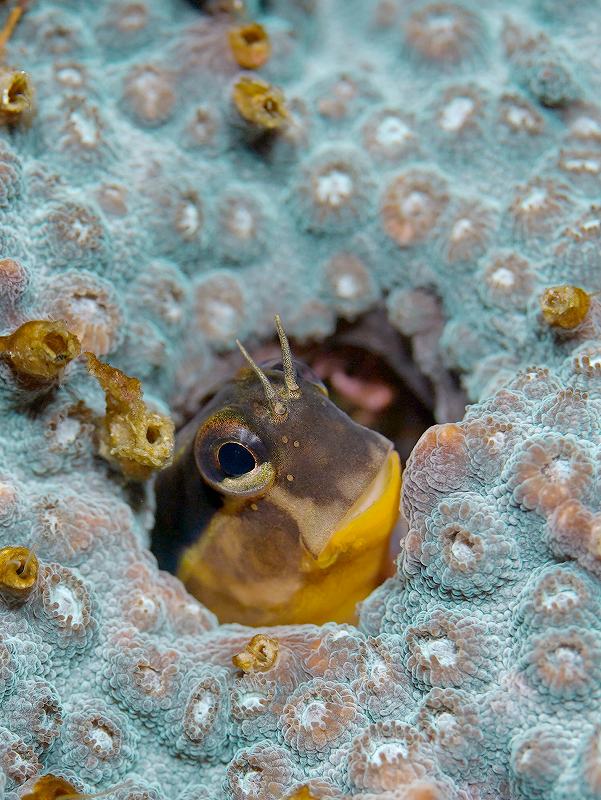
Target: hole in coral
x,y
252,36
101,739
461,546
18,91
56,343
271,106
369,371
149,679
153,433
441,649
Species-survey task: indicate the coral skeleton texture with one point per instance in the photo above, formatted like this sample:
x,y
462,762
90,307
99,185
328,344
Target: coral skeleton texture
x,y
158,199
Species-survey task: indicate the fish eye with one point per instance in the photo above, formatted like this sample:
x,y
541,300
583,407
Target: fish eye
x,y
231,458
235,459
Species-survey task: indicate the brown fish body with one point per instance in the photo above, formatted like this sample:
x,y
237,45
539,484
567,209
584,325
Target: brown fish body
x,y
302,536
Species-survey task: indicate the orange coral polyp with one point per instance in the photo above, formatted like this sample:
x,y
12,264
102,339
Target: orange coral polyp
x,y
137,439
260,103
16,95
259,655
39,350
16,91
18,573
565,306
51,787
250,45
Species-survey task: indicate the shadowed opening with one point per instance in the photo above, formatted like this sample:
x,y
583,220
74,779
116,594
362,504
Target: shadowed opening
x,y
152,434
57,344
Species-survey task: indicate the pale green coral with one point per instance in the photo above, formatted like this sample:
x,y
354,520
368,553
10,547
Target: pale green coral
x,y
441,158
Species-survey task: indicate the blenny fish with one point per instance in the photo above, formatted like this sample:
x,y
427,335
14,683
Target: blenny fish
x,y
278,507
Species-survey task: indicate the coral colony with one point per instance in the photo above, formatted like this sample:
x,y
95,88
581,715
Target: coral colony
x,y
172,174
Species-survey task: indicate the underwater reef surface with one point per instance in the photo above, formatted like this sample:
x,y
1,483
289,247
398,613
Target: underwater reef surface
x,y
442,158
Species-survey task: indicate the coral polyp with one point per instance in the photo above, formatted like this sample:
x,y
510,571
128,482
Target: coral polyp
x,y
411,207
259,655
250,45
38,351
18,574
333,192
259,103
16,96
134,437
148,95
444,33
565,306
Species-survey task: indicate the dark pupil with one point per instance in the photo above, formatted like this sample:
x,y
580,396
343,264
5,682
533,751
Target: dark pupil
x,y
235,459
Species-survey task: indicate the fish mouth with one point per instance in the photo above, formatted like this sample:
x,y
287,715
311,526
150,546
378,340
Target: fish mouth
x,y
370,520
374,492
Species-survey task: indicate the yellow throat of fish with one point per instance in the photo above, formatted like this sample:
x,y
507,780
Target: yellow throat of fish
x,y
352,563
324,589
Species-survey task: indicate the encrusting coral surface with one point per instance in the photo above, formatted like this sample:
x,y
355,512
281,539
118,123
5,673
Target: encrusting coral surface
x,y
172,174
